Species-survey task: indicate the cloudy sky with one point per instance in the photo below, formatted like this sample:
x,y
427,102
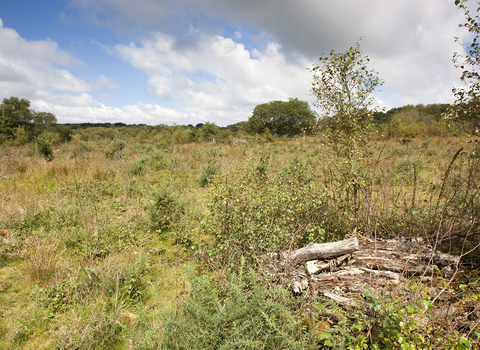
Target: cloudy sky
x,y
187,62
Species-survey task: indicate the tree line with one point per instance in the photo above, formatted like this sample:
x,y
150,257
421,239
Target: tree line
x,y
343,87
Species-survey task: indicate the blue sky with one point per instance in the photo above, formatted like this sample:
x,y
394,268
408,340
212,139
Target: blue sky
x,y
187,62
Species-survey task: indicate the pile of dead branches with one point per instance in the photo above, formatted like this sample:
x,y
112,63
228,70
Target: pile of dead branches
x,y
341,270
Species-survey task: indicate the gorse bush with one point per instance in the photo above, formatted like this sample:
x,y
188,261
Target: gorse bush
x,y
139,167
45,149
165,209
244,314
114,147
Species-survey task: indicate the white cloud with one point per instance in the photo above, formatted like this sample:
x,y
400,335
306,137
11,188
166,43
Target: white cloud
x,y
410,42
102,82
155,114
217,79
29,68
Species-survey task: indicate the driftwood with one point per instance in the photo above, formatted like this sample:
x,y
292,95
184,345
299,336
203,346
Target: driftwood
x,y
341,270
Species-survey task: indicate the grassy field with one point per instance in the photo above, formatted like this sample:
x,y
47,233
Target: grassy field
x,y
97,244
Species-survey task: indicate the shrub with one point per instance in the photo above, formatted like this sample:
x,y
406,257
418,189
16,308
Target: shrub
x,y
114,147
251,217
139,167
208,172
21,136
64,132
45,149
51,136
162,161
165,209
243,314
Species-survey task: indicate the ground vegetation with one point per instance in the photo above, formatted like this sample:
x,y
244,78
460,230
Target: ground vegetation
x,y
169,237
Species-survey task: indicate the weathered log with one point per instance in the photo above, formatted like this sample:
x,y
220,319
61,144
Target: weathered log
x,y
315,266
405,268
338,299
414,249
299,286
320,251
355,273
345,302
439,259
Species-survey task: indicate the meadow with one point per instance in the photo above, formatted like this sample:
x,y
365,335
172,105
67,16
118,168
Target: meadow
x,y
146,242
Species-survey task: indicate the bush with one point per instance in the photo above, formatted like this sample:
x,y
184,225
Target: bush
x,y
165,210
45,149
208,172
114,147
244,314
64,132
51,136
139,167
251,217
21,136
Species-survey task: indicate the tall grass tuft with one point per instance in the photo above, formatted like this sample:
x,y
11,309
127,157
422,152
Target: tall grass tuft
x,y
41,258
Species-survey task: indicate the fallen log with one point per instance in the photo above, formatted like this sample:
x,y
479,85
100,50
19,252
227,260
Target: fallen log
x,y
320,251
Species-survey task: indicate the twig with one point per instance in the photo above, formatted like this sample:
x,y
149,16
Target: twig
x,y
446,176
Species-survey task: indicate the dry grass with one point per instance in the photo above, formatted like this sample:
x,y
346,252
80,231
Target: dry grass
x,y
41,259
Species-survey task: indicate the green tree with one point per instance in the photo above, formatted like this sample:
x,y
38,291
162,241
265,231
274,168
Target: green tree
x,y
208,132
43,121
343,86
15,112
466,109
282,118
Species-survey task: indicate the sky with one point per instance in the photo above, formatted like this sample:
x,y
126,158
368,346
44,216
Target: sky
x,y
191,61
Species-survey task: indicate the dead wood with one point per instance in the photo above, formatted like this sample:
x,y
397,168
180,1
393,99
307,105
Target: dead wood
x,y
319,251
341,270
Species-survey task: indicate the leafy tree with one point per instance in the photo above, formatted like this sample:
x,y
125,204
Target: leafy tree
x,y
207,132
343,85
15,112
282,118
466,109
43,121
